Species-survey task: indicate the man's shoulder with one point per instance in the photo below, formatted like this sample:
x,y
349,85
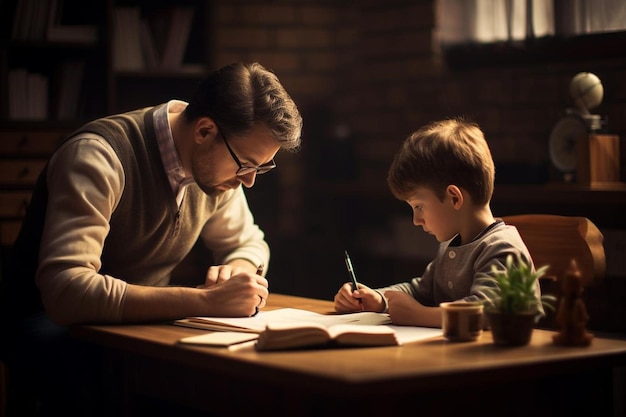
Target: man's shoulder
x,y
84,143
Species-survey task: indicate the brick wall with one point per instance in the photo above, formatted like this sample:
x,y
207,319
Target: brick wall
x,y
295,39
374,66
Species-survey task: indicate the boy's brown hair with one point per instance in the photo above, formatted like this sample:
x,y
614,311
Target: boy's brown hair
x,y
442,153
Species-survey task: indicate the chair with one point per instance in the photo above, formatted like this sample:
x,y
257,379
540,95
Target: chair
x,y
555,240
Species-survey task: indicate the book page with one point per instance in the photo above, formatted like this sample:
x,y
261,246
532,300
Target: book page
x,y
363,335
339,329
279,336
382,334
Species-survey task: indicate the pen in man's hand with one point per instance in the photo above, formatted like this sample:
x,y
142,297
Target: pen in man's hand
x,y
355,284
259,271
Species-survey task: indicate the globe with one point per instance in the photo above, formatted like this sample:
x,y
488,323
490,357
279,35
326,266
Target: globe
x,y
586,90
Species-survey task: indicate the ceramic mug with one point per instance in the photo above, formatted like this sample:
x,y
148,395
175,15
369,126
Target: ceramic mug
x,y
462,321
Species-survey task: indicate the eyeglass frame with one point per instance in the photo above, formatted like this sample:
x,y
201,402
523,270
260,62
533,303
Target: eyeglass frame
x,y
243,169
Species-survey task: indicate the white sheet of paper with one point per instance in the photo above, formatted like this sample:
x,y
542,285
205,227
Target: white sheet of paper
x,y
408,334
219,338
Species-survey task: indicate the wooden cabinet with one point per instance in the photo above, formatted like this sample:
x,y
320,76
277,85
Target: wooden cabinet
x,y
65,62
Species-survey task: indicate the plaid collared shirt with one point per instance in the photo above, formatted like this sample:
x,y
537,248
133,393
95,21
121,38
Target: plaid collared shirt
x,y
169,155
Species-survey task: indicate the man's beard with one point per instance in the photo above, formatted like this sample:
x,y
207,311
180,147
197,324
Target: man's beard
x,y
209,189
204,178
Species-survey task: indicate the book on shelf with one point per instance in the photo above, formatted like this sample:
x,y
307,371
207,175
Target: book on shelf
x,y
148,46
69,85
39,20
28,95
37,93
157,28
127,53
178,36
155,42
58,31
290,328
29,20
17,80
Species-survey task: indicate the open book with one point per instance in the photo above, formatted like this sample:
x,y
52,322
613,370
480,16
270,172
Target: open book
x,y
293,316
280,336
289,328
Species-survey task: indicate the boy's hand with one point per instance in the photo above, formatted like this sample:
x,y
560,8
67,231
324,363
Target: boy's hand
x,y
363,299
404,310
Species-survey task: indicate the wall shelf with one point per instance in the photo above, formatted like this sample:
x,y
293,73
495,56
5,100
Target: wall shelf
x,y
561,194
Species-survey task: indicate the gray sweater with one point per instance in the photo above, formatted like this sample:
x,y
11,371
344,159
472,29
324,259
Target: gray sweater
x,y
452,274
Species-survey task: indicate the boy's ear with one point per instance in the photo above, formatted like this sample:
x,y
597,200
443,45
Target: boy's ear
x,y
455,195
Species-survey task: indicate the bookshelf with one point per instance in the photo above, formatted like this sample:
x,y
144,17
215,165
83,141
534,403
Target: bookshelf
x,y
70,60
163,44
46,49
65,62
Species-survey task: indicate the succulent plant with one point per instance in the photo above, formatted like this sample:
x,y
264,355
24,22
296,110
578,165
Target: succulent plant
x,y
512,290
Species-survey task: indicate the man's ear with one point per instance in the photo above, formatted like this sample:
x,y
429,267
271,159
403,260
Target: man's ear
x,y
205,129
455,195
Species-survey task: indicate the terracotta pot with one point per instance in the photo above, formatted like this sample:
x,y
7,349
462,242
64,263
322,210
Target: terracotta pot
x,y
511,329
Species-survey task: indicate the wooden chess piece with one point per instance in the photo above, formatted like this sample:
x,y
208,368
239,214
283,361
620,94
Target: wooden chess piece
x,y
572,314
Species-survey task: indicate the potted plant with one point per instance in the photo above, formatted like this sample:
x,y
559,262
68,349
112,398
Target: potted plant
x,y
512,303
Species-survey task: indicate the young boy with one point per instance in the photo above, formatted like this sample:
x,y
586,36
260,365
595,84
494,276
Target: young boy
x,y
445,172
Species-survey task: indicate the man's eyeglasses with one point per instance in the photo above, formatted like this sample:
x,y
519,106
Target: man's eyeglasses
x,y
243,169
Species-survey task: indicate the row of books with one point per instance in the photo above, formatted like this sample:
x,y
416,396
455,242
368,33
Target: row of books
x,y
42,20
29,93
154,43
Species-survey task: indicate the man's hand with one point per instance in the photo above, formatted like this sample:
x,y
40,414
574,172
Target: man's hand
x,y
220,273
241,295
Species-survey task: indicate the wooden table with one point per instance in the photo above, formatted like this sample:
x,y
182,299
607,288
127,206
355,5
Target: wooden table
x,y
431,377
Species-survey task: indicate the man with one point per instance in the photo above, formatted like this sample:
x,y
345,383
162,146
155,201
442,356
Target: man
x,y
124,199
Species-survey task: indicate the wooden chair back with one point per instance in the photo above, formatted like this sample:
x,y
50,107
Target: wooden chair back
x,y
556,240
